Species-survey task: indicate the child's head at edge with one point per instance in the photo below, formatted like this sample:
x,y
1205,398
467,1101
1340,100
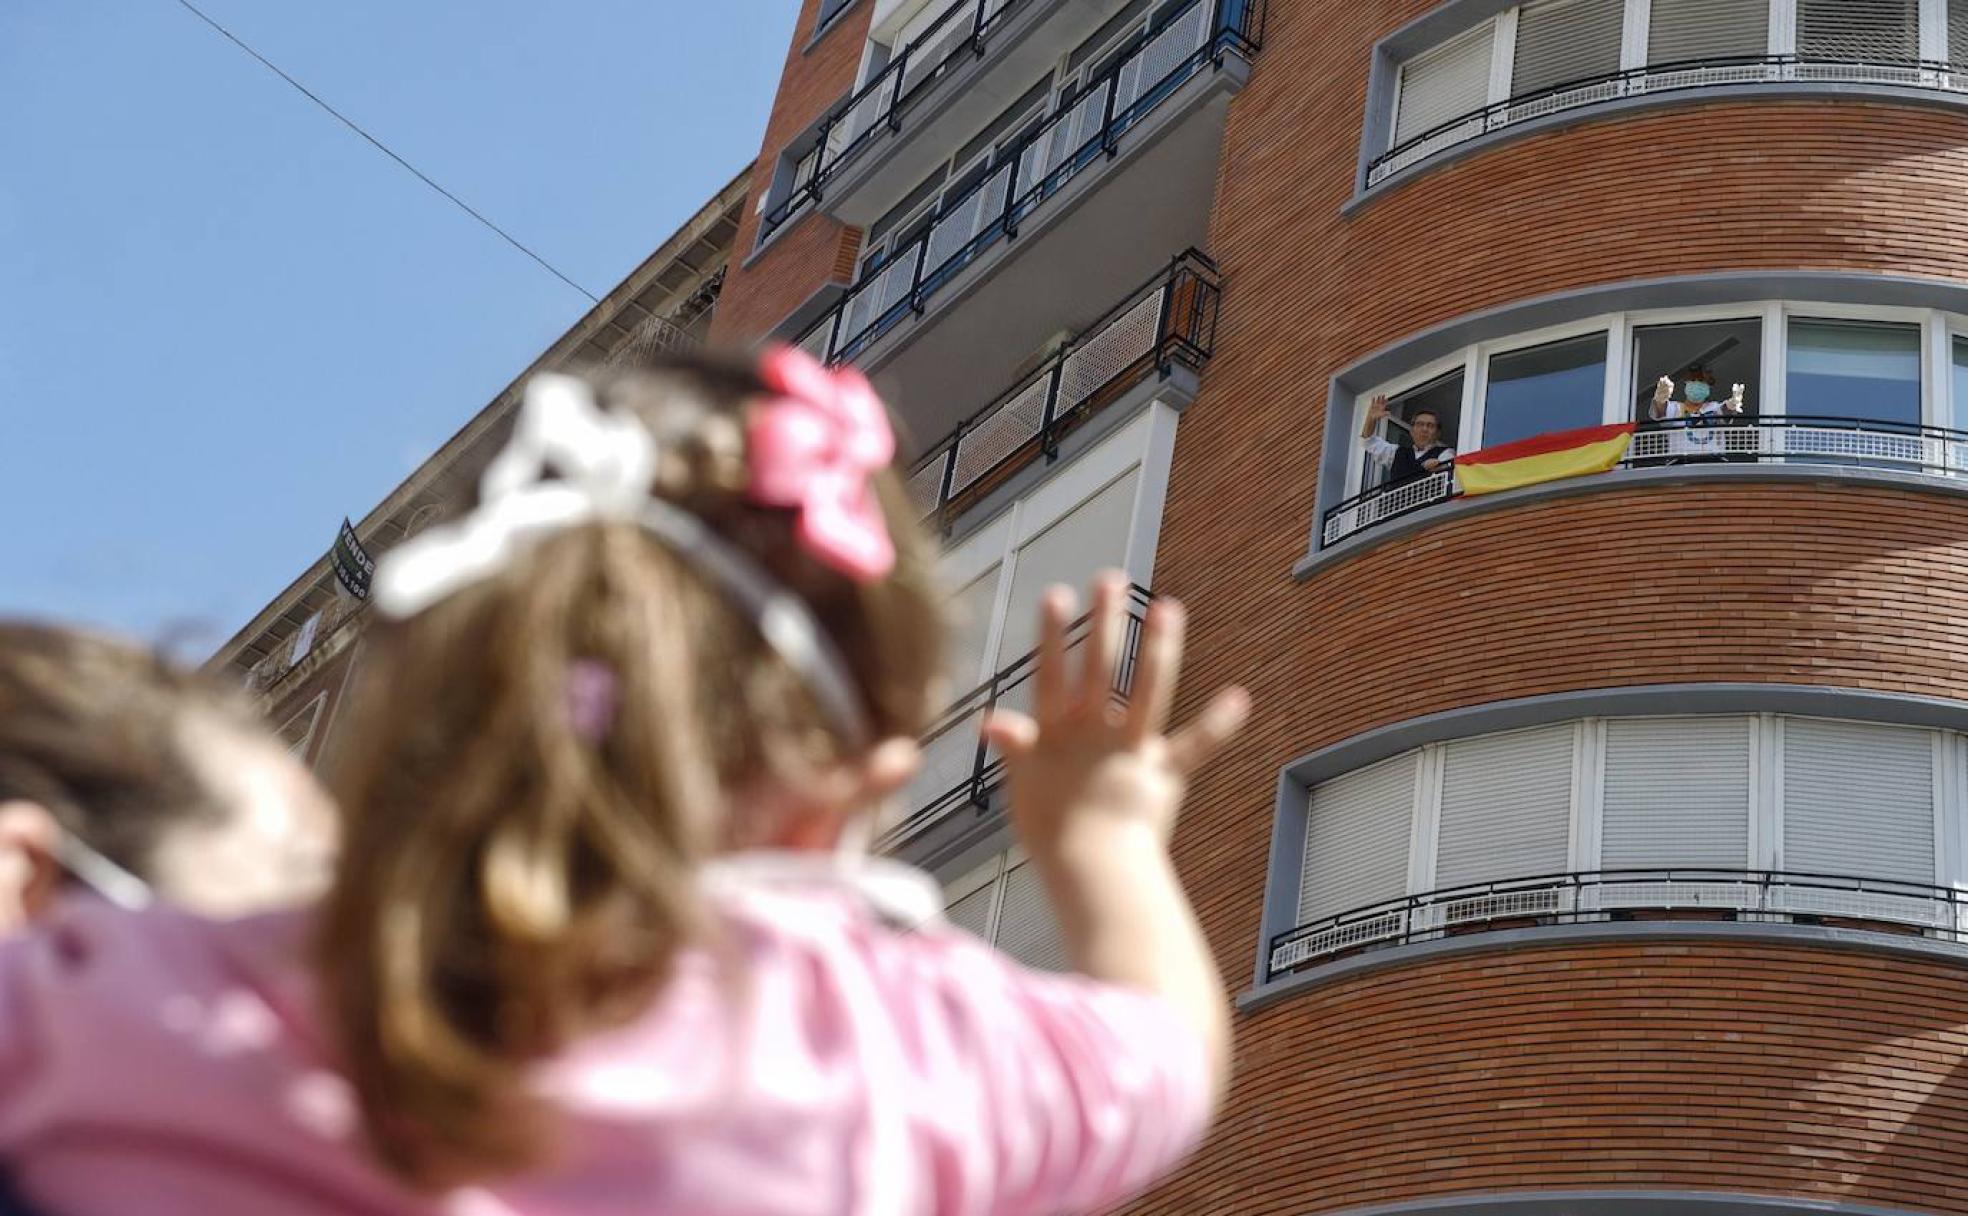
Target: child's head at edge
x,y
515,874
108,746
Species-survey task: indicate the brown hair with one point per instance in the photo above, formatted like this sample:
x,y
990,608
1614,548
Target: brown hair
x,y
92,729
508,884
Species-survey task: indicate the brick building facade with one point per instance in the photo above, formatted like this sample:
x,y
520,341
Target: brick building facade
x,y
1597,846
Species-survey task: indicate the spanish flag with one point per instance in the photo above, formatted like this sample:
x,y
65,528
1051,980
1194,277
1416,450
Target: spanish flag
x,y
1548,457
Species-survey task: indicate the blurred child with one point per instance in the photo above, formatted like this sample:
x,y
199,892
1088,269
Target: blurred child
x,y
601,938
120,772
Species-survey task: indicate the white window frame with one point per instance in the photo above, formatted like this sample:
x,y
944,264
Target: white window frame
x,y
1938,331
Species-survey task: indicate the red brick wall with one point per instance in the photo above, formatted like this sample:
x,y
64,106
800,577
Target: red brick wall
x,y
1866,588
1838,1076
813,249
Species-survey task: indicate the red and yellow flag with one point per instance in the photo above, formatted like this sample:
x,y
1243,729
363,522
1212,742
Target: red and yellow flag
x,y
1548,457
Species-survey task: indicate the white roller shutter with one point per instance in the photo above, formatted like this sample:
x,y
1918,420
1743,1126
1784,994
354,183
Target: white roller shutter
x,y
1026,929
1565,40
1677,794
1506,806
1444,82
1859,29
970,632
1958,32
1681,30
1091,537
1858,800
1356,839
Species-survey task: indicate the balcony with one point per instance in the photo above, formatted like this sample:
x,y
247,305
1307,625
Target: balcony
x,y
1122,140
1612,895
1797,440
1169,322
337,615
958,771
944,84
1746,74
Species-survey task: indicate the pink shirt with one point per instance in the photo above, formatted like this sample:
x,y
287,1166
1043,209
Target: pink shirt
x,y
155,1063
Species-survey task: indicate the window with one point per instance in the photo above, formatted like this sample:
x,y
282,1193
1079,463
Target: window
x,y
971,619
1682,30
1441,396
1960,368
1677,790
1444,83
1858,799
1547,57
1356,839
1873,30
829,9
1506,806
1854,369
1565,40
1093,536
1825,805
1816,388
1003,902
1730,352
1554,387
297,732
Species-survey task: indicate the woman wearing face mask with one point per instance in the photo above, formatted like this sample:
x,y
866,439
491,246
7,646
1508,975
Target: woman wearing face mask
x,y
1694,436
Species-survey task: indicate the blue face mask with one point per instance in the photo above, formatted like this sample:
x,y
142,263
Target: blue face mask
x,y
1696,392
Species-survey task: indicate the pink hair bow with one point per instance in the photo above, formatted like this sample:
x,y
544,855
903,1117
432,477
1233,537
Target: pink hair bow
x,y
813,448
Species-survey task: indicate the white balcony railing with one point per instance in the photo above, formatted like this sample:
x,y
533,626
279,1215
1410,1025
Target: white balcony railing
x,y
1849,442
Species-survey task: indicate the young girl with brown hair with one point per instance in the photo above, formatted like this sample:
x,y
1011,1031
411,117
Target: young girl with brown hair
x,y
602,938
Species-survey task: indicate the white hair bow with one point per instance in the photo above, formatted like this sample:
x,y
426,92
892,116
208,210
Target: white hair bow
x,y
606,464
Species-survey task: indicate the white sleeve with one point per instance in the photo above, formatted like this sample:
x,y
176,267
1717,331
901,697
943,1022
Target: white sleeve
x,y
1448,455
1380,449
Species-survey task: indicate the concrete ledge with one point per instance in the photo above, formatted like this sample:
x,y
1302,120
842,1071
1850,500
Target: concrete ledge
x,y
1365,195
1506,940
1621,1202
1319,560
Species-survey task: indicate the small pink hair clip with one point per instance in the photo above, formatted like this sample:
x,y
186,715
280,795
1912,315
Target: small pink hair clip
x,y
812,447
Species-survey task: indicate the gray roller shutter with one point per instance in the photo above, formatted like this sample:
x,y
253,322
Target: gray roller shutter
x,y
1506,806
1858,800
1565,40
1958,32
1445,82
1026,930
972,913
1682,30
1859,29
1676,794
1356,839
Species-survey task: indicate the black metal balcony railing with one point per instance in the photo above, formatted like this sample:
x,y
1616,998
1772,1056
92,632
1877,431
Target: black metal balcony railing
x,y
1169,320
1741,71
1087,126
957,768
1798,439
1550,899
882,105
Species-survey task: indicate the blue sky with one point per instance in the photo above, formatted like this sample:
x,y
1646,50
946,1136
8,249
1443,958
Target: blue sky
x,y
226,322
